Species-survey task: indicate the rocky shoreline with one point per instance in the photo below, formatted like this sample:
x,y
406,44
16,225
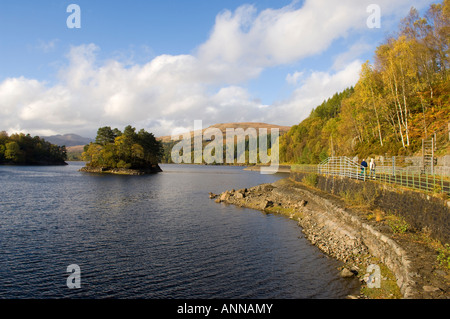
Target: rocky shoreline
x,y
340,234
122,171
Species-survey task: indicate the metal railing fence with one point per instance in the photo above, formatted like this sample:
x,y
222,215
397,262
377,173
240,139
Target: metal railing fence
x,y
402,174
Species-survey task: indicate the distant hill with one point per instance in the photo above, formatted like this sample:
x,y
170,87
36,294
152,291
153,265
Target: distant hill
x,y
243,125
167,142
68,140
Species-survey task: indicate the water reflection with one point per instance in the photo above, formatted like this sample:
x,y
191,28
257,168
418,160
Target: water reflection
x,y
156,236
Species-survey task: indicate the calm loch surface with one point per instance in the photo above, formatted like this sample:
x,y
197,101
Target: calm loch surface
x,y
155,236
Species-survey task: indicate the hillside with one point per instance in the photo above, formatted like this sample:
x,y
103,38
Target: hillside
x,y
243,125
74,152
168,143
400,99
74,144
67,140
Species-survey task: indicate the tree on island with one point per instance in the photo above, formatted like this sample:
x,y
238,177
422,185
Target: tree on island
x,y
25,149
128,149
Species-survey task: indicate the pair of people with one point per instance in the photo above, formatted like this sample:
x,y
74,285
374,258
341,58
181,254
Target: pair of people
x,y
371,167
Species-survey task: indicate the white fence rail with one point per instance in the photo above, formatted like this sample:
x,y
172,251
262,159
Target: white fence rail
x,y
391,171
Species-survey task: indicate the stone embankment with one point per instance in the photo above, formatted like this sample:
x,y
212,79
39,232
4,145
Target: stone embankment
x,y
337,232
280,168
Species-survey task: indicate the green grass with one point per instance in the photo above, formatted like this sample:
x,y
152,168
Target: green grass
x,y
443,257
360,198
388,288
289,212
310,180
397,224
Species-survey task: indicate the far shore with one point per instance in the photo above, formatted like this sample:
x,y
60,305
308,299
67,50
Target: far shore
x,y
36,164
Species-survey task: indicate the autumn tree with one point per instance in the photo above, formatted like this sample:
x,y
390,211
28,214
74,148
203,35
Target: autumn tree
x,y
25,149
127,149
105,135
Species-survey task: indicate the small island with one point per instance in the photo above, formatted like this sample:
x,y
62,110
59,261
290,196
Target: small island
x,y
21,149
125,153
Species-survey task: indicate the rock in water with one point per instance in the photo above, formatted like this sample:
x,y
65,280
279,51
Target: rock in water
x,y
239,195
346,273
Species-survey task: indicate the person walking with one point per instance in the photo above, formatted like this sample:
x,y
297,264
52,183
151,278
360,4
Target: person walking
x,y
372,168
363,168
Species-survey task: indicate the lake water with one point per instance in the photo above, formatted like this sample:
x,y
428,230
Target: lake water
x,y
156,236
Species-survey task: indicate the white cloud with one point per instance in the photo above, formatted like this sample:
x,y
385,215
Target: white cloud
x,y
168,89
47,46
353,53
17,92
280,36
317,87
294,78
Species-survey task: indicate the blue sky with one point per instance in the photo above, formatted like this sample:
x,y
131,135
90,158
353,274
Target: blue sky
x,y
135,29
160,65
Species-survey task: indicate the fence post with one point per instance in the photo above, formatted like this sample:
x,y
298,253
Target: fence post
x,y
347,171
434,182
423,156
328,167
407,178
420,182
433,144
393,165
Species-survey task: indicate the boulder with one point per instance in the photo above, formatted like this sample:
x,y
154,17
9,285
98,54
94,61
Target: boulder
x,y
225,196
430,289
346,273
267,204
239,195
